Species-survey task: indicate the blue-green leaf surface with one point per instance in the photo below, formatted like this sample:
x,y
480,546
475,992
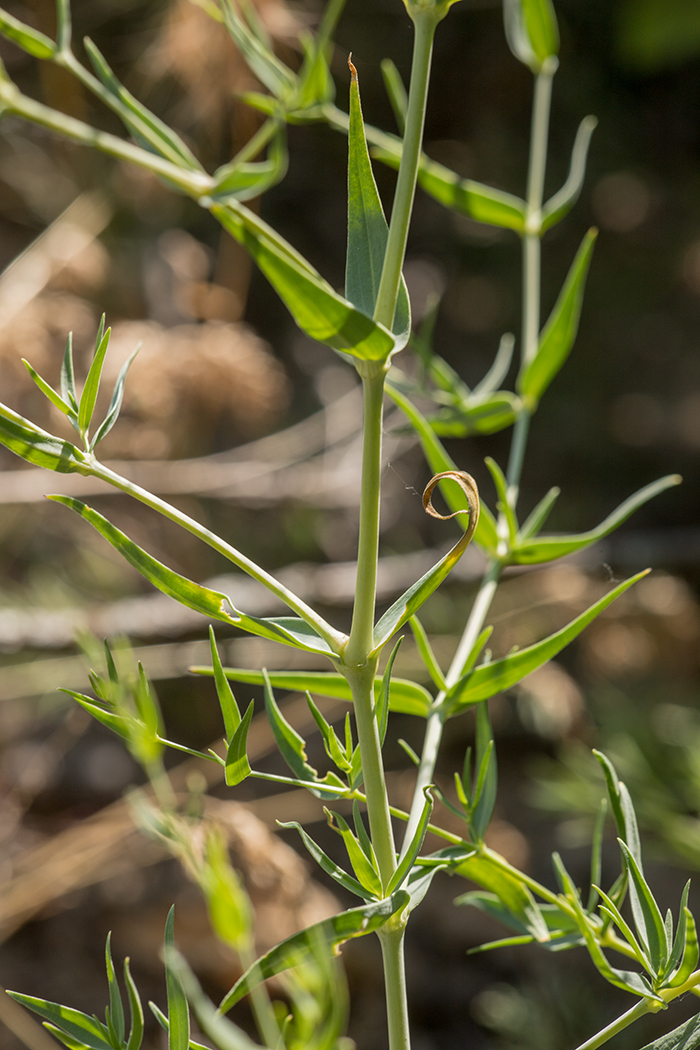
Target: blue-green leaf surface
x,y
86,1030
36,446
227,701
685,1037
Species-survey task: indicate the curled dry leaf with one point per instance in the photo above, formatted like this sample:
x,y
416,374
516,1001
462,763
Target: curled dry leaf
x,y
469,488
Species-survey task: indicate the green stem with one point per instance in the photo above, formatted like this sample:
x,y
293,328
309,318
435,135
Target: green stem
x,y
334,638
425,23
395,985
361,642
624,1021
535,189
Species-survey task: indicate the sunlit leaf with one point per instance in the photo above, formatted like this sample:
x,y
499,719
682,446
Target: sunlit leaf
x,y
88,397
426,651
557,337
30,40
484,796
685,1037
237,764
489,679
87,1030
318,310
414,847
364,869
135,1009
276,77
357,922
396,91
531,31
538,516
337,873
116,402
405,697
245,180
116,1007
227,701
691,953
368,231
647,917
292,747
622,808
223,1033
178,1012
36,446
513,894
383,700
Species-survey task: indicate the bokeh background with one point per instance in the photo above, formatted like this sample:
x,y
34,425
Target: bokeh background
x,y
244,422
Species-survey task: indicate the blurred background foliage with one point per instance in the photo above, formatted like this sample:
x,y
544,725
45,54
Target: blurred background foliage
x,y
223,370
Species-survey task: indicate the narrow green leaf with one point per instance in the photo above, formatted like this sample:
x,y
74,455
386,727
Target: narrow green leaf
x,y
484,795
477,649
318,310
531,31
366,873
178,1012
67,1040
329,866
504,504
92,383
276,77
412,848
397,93
691,953
685,1037
381,707
116,1007
48,391
87,1030
623,810
485,416
362,836
368,231
412,599
441,462
116,722
64,29
37,447
30,40
227,701
426,651
557,207
647,917
237,765
536,519
292,747
488,679
613,911
357,922
405,697
334,748
558,335
147,129
498,370
679,940
405,746
547,548
597,854
68,391
135,1010
116,402
224,1034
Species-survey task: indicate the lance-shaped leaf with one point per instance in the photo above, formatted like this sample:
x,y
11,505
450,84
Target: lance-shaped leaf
x,y
396,91
237,764
147,129
441,462
337,873
504,504
368,231
611,909
647,917
479,202
412,848
547,548
286,629
50,393
531,31
513,894
115,404
363,867
622,808
292,747
382,702
679,940
485,415
334,749
135,1010
563,930
558,335
36,446
412,599
488,679
178,1012
88,397
318,310
223,1033
115,1017
30,40
87,1030
691,953
405,697
685,1037
227,701
356,922
562,202
258,55
68,390
484,795
597,854
426,651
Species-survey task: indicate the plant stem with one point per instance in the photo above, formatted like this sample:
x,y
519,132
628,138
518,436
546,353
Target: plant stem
x,y
535,189
643,1007
425,23
360,643
395,985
